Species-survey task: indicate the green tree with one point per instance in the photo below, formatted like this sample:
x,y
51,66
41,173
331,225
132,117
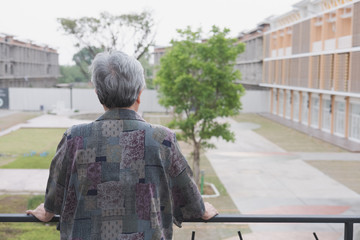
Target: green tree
x,y
197,79
70,74
148,70
83,60
127,32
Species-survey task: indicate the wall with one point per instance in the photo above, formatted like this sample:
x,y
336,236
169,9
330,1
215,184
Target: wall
x,y
58,99
85,100
256,101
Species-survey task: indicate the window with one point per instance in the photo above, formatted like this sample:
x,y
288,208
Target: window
x,y
354,122
340,118
328,71
305,108
288,105
315,112
342,78
296,106
326,115
275,93
281,102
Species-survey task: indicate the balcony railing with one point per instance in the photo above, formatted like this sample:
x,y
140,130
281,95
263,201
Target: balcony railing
x,y
348,221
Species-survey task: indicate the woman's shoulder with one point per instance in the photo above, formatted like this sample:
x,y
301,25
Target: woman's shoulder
x,y
162,134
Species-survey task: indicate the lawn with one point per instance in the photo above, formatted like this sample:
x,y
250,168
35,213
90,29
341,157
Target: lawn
x,y
29,148
287,138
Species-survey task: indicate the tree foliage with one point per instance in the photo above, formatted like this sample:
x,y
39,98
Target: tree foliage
x,y
70,74
83,60
148,70
197,79
131,33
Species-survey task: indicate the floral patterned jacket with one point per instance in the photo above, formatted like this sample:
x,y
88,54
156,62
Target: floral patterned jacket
x,y
120,178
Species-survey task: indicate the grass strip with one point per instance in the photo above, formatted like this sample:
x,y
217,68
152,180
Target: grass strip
x,y
29,148
288,139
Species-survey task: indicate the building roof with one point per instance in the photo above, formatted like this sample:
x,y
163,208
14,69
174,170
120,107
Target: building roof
x,y
13,40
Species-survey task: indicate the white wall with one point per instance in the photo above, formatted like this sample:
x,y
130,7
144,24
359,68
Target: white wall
x,y
255,101
30,99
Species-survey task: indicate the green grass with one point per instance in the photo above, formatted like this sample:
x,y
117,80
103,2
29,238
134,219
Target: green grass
x,y
24,231
287,138
158,118
15,148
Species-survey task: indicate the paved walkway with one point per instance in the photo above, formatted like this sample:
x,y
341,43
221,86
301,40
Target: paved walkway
x,y
45,121
23,181
262,178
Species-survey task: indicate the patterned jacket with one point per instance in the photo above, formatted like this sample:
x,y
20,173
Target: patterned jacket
x,y
120,177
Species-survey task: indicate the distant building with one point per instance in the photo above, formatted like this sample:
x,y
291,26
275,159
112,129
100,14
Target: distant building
x,y
159,51
250,62
24,64
312,66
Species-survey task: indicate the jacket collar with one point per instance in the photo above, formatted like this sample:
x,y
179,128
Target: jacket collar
x,y
120,114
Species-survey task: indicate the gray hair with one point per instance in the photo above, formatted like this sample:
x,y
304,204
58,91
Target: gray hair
x,y
118,79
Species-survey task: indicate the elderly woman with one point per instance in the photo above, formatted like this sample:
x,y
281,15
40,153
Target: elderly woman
x,y
120,177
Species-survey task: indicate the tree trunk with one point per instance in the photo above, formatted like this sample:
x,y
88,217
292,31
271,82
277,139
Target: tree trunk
x,y
196,163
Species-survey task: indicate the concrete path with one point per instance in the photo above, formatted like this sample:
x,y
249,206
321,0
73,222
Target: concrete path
x,y
262,178
46,121
23,181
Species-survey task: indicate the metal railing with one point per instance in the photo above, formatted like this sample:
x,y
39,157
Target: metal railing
x,y
348,221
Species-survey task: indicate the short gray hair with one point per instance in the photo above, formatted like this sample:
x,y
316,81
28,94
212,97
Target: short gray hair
x,y
118,79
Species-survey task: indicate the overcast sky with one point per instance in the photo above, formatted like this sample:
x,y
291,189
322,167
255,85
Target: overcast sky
x,y
36,19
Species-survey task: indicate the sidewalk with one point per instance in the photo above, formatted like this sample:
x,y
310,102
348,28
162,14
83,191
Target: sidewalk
x,y
23,181
46,121
262,178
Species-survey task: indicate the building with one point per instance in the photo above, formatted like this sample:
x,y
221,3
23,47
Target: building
x,y
158,52
250,62
25,64
311,66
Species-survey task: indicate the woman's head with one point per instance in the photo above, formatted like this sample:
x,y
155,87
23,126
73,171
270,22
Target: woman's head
x,y
118,79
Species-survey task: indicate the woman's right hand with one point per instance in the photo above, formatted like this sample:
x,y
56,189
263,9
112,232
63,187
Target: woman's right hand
x,y
210,211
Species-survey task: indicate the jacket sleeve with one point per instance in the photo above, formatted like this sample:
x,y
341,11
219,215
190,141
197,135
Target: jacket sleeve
x,y
56,182
187,202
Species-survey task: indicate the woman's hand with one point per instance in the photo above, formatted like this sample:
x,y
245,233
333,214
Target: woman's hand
x,y
40,213
210,211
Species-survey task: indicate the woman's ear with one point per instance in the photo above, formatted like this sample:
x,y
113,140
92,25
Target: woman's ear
x,y
138,98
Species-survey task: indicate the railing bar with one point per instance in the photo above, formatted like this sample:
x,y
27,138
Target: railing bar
x,y
193,235
23,218
228,219
348,231
239,233
282,219
316,237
